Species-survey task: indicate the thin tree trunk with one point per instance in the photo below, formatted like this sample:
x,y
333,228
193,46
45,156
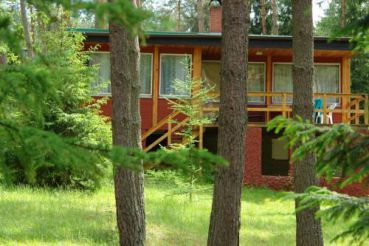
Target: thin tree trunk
x,y
178,16
343,13
200,15
225,215
26,33
263,17
100,23
308,229
129,185
274,18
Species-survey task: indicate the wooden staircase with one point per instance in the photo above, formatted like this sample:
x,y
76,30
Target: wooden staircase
x,y
171,125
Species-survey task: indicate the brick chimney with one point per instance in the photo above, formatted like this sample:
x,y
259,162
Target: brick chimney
x,y
215,19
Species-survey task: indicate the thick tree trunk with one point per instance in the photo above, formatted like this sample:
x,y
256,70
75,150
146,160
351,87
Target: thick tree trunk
x,y
308,229
25,25
225,214
343,13
129,185
263,17
274,18
200,15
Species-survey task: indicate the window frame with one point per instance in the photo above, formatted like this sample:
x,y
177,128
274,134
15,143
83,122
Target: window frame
x,y
264,82
102,94
161,96
151,75
315,64
109,94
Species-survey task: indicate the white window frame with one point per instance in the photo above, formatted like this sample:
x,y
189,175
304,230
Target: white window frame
x,y
102,94
151,75
264,63
160,75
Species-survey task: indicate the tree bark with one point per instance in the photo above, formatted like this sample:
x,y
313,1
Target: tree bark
x,y
26,32
129,185
178,29
263,17
225,215
200,16
343,13
274,18
308,229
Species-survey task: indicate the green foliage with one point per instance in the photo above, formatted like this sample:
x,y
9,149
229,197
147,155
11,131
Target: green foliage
x,y
354,211
357,28
336,147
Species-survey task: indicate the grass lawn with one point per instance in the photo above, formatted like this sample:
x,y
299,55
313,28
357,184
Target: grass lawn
x,y
45,217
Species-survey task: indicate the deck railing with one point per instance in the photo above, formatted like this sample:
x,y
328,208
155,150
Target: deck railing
x,y
352,108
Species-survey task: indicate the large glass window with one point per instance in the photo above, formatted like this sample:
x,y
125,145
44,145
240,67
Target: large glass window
x,y
282,81
256,78
326,80
174,69
256,81
145,73
102,82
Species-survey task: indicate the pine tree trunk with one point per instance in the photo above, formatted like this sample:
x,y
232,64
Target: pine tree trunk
x,y
263,17
129,185
178,29
274,18
343,13
200,15
225,215
25,25
308,229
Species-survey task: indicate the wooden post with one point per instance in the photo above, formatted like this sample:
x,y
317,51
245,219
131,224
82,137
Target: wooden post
x,y
170,131
268,88
196,76
346,83
155,86
284,104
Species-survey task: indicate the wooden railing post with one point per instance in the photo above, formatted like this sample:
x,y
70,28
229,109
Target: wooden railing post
x,y
325,106
357,112
284,104
366,110
170,131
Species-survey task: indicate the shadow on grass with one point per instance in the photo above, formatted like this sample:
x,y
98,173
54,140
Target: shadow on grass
x,y
23,221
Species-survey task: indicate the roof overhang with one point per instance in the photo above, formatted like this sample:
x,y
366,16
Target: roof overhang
x,y
214,39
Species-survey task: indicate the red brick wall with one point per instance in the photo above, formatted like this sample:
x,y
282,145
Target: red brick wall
x,y
253,176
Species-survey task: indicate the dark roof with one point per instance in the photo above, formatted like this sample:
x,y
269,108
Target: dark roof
x,y
214,39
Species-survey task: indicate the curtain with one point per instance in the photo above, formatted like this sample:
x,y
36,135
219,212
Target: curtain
x,y
102,82
211,74
282,81
327,79
145,73
174,79
256,81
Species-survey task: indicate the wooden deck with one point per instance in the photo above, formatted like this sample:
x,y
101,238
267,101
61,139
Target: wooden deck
x,y
351,109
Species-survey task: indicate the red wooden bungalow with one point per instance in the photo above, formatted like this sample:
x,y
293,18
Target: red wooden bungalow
x,y
269,91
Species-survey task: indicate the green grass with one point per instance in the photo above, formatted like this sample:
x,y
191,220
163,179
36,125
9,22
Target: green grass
x,y
49,217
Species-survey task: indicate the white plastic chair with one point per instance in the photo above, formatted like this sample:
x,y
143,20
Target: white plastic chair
x,y
319,117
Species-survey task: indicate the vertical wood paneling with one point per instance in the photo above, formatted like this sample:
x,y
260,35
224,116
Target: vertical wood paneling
x,y
155,86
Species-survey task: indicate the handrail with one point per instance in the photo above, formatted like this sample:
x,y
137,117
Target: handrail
x,y
161,123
